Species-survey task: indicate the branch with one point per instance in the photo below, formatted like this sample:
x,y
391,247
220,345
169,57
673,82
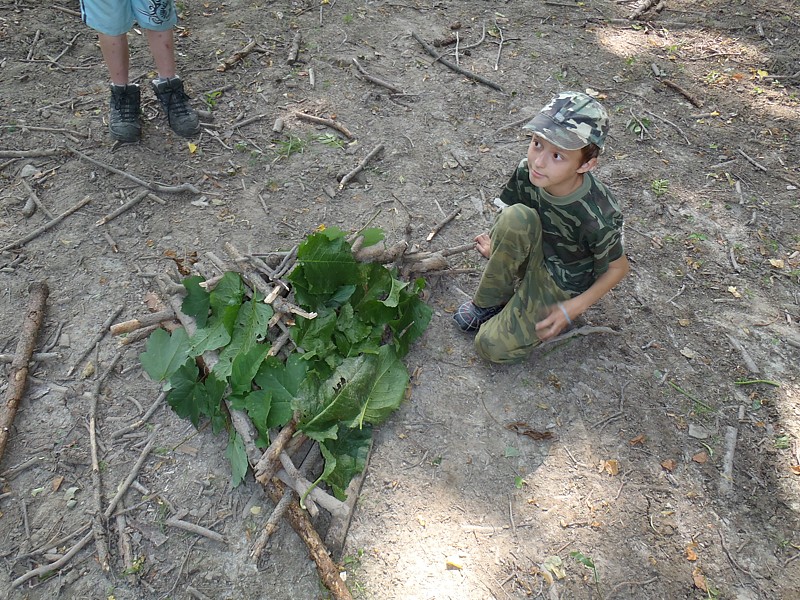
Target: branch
x,y
470,75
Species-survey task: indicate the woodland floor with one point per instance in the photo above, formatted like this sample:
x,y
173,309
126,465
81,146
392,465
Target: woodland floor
x,y
633,479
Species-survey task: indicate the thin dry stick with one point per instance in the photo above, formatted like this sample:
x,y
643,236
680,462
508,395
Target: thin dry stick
x,y
139,422
18,375
668,122
96,339
196,529
272,524
28,153
36,200
236,56
55,565
49,225
346,179
35,357
442,223
123,488
327,122
469,74
145,321
154,187
124,208
726,481
499,47
380,82
268,464
752,161
642,8
689,96
250,120
33,44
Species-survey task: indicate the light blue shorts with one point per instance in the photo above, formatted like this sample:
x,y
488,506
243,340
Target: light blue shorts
x,y
115,17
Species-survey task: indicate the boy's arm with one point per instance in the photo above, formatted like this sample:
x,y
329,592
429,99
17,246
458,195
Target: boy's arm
x,y
556,321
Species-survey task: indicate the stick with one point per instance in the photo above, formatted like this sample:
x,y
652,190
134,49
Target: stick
x,y
268,464
272,524
668,122
642,8
470,75
153,187
196,529
328,572
748,361
28,153
752,161
55,565
726,483
442,223
145,321
49,225
35,357
327,122
36,200
691,98
123,488
236,57
18,376
385,84
145,417
96,339
125,549
301,485
125,207
346,179
294,50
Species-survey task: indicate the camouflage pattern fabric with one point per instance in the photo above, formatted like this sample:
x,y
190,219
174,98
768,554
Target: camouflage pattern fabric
x,y
581,233
572,120
516,257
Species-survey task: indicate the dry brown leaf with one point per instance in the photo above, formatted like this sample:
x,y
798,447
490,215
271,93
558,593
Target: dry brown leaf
x,y
153,302
701,457
57,483
639,439
795,469
699,579
611,467
691,555
523,428
669,464
684,322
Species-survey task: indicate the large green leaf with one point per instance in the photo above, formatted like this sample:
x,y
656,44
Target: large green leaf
x,y
414,318
350,450
165,353
251,327
367,388
245,366
193,399
257,404
393,299
283,381
369,296
214,335
314,336
197,301
325,264
237,456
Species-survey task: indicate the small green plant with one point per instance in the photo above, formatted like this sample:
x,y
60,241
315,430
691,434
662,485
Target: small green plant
x,y
660,187
240,146
211,98
630,61
782,442
136,567
638,126
697,237
331,140
519,482
294,145
589,564
347,19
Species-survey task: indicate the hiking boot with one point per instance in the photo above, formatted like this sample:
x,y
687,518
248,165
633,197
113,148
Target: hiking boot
x,y
470,317
182,117
123,120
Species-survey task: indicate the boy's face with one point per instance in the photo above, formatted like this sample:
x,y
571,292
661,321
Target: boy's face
x,y
559,172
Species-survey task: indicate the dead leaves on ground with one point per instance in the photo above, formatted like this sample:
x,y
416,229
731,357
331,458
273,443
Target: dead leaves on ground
x,y
523,428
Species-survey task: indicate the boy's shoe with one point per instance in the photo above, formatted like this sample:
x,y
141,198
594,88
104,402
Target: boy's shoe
x,y
470,317
123,120
182,117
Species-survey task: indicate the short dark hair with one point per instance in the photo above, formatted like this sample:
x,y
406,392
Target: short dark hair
x,y
589,152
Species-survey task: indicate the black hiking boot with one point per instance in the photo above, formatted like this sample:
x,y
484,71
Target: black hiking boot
x,y
123,120
181,116
470,317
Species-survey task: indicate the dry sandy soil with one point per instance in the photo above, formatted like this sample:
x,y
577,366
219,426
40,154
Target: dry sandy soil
x,y
706,341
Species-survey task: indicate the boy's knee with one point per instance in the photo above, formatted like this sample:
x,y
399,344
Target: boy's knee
x,y
517,218
493,349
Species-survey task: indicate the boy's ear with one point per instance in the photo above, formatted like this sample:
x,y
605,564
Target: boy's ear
x,y
588,165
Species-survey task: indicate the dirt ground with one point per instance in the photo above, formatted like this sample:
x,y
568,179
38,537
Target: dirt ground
x,y
704,157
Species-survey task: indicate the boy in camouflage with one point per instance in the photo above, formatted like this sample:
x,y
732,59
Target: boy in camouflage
x,y
557,248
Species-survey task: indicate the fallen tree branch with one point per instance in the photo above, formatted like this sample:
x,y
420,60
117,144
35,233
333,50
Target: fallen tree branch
x,y
18,376
469,74
145,321
380,82
688,95
294,50
360,167
196,529
49,225
438,227
236,57
271,525
28,153
269,463
35,357
326,122
153,187
54,566
124,208
36,199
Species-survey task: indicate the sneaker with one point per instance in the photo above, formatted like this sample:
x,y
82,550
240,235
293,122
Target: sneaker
x,y
123,120
182,117
470,317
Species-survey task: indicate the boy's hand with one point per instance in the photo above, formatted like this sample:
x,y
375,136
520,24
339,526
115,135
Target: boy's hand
x,y
483,244
554,323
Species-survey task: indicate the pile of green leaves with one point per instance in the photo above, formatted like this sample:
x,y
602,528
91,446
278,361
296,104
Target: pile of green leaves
x,y
345,376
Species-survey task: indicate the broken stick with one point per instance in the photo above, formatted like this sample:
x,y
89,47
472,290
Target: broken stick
x,y
442,223
96,339
327,122
380,82
145,321
469,74
347,178
50,224
18,377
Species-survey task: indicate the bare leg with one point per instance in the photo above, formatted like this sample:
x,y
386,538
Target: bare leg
x,y
115,54
162,47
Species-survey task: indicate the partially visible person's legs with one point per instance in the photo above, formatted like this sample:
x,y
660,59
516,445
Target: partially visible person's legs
x,y
162,47
516,255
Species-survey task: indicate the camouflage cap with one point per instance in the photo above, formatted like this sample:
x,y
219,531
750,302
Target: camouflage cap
x,y
572,120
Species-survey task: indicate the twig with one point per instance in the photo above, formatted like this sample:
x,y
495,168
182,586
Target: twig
x,y
301,485
752,367
236,57
690,97
139,422
668,122
35,357
470,75
641,8
96,339
125,207
385,84
326,122
294,50
272,524
585,330
268,464
145,321
726,481
499,47
752,161
28,153
196,529
18,375
123,488
249,120
54,566
438,227
346,179
35,199
49,225
154,187
33,44
125,549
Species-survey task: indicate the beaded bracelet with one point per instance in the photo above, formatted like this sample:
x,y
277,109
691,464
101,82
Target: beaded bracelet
x,y
566,314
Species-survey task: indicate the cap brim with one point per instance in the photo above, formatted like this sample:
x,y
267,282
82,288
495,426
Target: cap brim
x,y
543,126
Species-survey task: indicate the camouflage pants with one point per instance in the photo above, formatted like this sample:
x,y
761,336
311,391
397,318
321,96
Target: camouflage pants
x,y
515,276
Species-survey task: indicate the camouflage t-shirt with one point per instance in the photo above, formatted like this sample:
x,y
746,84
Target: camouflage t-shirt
x,y
581,233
